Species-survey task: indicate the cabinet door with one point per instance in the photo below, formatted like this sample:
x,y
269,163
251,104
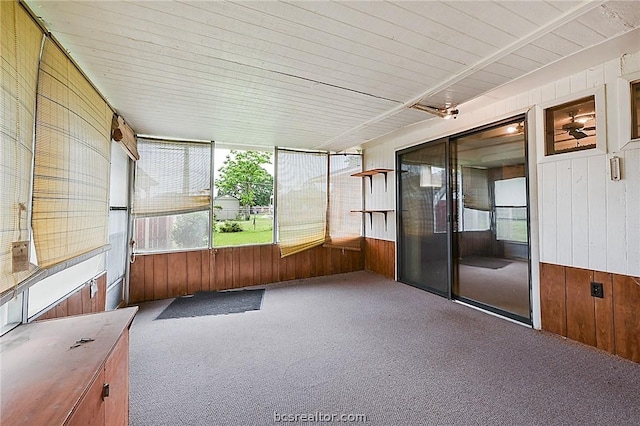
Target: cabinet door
x,y
90,409
116,373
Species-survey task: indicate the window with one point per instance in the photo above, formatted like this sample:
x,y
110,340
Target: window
x,y
511,209
635,110
302,200
172,198
571,126
243,202
344,222
315,198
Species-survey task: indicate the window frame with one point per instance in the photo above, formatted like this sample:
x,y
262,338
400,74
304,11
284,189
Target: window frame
x,y
623,91
635,109
601,124
550,122
504,206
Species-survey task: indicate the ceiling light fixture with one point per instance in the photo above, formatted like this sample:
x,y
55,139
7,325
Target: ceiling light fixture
x,y
516,128
446,112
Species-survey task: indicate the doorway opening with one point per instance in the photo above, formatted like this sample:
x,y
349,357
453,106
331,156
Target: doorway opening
x,y
463,228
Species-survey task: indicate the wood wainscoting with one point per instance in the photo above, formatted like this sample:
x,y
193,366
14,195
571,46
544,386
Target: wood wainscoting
x,y
611,323
165,275
80,301
380,257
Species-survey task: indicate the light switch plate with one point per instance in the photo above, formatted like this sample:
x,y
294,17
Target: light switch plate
x,y
20,256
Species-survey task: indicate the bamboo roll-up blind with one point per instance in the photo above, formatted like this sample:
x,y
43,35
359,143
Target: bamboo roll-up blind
x,y
302,200
72,157
172,177
475,188
345,196
123,133
20,40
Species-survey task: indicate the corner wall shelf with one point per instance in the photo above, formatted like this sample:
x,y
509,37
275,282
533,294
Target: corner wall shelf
x,y
370,213
371,173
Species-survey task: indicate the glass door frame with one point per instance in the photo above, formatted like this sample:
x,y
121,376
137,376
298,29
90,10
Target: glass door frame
x,y
399,216
450,187
515,119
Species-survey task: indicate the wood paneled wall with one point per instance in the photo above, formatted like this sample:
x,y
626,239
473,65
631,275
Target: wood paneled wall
x,y
80,302
478,243
611,323
380,257
165,275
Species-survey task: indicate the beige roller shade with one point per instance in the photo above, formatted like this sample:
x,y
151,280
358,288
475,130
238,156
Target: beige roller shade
x,y
172,177
302,200
20,40
72,156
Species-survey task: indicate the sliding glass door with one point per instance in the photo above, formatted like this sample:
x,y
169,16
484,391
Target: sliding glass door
x,y
491,243
423,225
463,228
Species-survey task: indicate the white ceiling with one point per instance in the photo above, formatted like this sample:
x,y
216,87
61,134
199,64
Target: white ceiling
x,y
318,75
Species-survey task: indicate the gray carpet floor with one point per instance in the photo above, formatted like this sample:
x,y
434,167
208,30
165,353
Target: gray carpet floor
x,y
506,288
361,344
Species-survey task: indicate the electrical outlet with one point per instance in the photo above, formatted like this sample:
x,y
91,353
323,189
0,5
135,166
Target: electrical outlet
x,y
597,290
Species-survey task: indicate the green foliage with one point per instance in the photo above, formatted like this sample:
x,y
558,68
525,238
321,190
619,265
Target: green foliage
x,y
229,226
243,177
191,230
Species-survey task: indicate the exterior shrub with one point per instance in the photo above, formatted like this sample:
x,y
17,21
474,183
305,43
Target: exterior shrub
x,y
229,226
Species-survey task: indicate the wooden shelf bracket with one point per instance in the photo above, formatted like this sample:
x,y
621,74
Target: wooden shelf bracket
x,y
371,173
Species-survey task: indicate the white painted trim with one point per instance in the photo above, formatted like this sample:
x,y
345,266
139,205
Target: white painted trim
x,y
623,88
534,222
601,126
491,313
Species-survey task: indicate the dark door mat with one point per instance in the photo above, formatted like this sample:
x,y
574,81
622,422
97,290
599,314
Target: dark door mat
x,y
214,303
485,262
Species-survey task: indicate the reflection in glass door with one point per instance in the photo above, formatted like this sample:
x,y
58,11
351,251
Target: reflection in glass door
x,y
491,250
423,229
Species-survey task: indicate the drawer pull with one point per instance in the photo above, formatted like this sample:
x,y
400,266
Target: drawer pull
x,y
105,390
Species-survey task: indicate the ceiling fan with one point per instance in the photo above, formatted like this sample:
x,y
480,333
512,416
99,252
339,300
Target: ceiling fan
x,y
576,128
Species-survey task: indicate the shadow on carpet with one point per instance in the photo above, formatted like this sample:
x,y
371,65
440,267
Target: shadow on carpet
x,y
485,262
214,303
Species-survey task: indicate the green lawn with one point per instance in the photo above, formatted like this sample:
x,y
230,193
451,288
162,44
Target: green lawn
x,y
512,230
261,233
